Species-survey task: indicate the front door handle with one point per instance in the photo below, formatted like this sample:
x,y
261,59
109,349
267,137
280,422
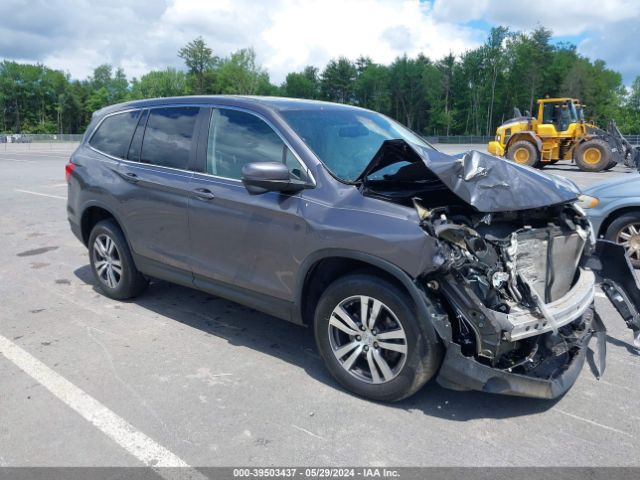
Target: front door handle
x,y
204,194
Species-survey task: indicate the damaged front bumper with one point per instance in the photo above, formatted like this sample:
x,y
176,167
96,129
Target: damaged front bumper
x,y
619,283
461,372
554,342
524,324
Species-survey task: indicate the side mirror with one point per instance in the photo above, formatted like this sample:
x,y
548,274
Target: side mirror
x,y
261,177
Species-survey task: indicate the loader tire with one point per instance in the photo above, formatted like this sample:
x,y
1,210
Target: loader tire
x,y
593,155
523,153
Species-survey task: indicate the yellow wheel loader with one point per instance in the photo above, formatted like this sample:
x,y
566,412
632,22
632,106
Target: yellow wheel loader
x,y
559,132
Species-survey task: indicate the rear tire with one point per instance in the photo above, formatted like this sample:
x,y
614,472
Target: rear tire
x,y
112,264
523,152
593,155
625,230
352,349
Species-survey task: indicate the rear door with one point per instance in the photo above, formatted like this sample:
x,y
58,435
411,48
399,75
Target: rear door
x,y
237,238
157,172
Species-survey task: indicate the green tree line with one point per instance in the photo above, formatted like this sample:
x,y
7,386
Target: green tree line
x,y
468,94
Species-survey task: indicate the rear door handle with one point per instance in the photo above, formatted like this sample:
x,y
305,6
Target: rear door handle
x,y
131,177
204,194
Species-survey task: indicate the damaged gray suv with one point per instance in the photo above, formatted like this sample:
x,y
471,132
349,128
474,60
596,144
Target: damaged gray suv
x,y
407,263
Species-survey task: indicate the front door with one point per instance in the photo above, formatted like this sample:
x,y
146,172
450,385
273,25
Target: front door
x,y
237,238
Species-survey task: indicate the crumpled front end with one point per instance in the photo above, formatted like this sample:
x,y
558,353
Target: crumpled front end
x,y
516,304
512,297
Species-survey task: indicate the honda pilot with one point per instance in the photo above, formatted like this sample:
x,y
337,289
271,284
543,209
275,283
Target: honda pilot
x,y
407,263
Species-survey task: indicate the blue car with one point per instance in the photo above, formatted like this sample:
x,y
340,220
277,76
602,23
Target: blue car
x,y
613,207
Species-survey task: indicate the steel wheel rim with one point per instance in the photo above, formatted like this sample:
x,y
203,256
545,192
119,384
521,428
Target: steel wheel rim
x,y
521,155
373,350
107,261
592,155
629,238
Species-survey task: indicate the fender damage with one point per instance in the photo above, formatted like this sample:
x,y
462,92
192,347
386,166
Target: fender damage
x,y
513,302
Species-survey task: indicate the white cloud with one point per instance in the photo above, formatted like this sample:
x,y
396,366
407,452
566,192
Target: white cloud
x,y
610,28
617,44
78,35
565,18
460,11
315,31
286,34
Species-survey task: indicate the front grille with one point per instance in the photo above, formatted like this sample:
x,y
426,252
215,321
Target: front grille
x,y
548,259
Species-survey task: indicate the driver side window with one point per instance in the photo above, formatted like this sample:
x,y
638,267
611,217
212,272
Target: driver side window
x,y
237,138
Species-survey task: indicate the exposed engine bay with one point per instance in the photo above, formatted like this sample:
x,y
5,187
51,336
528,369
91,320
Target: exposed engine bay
x,y
515,288
512,277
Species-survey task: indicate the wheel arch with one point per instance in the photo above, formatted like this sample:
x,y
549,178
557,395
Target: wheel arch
x,y
93,213
526,135
323,267
613,215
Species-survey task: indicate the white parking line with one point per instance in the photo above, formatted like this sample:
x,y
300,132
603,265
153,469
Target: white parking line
x,y
595,424
37,152
601,295
33,157
19,160
41,194
122,432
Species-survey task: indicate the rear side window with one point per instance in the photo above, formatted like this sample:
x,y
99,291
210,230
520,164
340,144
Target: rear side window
x,y
168,136
114,133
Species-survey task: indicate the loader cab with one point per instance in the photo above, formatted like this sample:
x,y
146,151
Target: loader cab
x,y
556,115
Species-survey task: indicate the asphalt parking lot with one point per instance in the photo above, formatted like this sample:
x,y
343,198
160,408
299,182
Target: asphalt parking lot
x,y
195,379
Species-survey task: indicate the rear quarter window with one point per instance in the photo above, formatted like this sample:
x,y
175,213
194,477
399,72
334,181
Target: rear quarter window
x,y
113,135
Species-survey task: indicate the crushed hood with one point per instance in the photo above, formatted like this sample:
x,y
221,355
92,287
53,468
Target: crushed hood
x,y
487,183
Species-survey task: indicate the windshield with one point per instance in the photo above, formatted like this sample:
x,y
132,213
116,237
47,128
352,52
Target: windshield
x,y
346,139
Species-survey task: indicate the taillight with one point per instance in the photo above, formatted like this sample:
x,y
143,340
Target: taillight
x,y
68,168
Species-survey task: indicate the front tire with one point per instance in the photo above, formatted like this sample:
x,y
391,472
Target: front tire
x,y
625,230
523,153
372,343
112,264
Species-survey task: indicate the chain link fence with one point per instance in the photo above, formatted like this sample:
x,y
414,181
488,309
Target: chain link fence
x,y
453,139
40,138
460,139
74,138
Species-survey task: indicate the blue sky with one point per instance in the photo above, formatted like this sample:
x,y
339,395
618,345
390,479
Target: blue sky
x,y
78,35
601,29
486,26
